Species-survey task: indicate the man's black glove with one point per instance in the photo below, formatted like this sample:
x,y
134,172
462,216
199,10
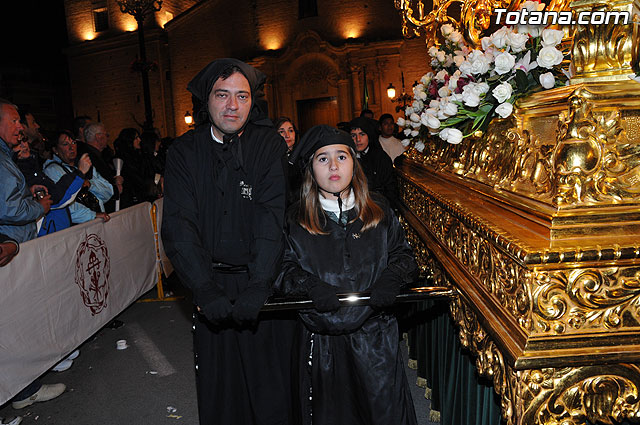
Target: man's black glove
x,y
249,303
385,289
217,310
323,295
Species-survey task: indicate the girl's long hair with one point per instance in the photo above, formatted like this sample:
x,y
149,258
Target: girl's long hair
x,y
310,214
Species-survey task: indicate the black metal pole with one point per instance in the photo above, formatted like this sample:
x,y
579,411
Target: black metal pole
x,y
148,115
362,298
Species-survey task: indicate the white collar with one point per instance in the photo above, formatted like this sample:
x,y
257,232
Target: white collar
x,y
331,205
215,139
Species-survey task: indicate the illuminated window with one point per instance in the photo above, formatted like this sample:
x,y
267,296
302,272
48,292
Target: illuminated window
x,y
100,19
307,8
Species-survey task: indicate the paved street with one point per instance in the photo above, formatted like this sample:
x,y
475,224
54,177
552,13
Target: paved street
x,y
151,382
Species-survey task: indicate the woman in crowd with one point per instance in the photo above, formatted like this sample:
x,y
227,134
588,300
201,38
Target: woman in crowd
x,y
62,192
289,133
341,239
89,203
137,170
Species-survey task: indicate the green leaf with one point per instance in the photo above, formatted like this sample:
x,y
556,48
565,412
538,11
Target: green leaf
x,y
521,80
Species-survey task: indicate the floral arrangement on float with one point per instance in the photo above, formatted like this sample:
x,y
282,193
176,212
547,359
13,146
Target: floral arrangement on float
x,y
469,87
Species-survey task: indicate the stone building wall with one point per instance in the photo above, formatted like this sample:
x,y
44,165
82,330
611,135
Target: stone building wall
x,y
347,37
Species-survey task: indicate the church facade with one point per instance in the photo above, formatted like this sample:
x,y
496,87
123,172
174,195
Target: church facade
x,y
325,60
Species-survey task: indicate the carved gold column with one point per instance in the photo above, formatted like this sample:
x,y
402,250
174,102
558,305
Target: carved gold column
x,y
537,225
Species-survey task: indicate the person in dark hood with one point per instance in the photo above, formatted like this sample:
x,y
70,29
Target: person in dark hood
x,y
222,230
375,162
343,239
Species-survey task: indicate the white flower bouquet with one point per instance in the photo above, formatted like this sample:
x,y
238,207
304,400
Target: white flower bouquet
x,y
469,87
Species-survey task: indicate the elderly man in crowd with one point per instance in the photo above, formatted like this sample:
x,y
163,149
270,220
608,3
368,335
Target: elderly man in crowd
x,y
96,140
19,212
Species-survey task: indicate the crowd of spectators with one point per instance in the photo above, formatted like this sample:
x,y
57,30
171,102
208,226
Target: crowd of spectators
x,y
63,177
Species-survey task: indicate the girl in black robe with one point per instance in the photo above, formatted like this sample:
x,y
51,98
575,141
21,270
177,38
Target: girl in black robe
x,y
341,239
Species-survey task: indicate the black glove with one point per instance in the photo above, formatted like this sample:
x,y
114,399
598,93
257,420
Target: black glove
x,y
249,303
384,290
217,310
323,295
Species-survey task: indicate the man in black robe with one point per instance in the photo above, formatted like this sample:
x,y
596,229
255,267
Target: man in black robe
x,y
222,225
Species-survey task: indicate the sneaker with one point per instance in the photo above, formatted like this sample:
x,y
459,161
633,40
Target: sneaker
x,y
73,356
14,421
62,366
45,393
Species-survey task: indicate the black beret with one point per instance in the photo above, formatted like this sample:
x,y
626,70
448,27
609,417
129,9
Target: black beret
x,y
315,138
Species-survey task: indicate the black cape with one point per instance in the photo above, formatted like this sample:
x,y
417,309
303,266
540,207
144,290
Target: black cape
x,y
351,358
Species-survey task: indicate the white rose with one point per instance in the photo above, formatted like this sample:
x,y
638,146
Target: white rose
x,y
551,37
450,109
434,104
415,124
432,111
470,98
517,41
414,133
458,60
440,75
548,81
480,88
426,78
486,42
465,68
400,122
414,117
405,142
407,131
417,105
455,37
453,83
499,38
549,56
419,146
446,29
454,136
432,122
479,63
441,56
532,6
444,91
532,30
502,92
504,63
433,51
444,133
504,109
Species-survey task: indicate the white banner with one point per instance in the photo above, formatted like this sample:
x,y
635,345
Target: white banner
x,y
167,267
62,288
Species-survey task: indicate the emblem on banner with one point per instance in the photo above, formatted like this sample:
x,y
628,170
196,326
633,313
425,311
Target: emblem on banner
x,y
92,272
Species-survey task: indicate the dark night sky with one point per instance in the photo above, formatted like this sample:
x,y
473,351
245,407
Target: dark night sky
x,y
33,31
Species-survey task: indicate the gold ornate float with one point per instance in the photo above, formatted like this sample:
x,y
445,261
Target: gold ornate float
x,y
537,225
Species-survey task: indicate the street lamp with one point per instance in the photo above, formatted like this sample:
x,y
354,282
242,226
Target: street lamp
x,y
403,100
139,9
188,119
391,91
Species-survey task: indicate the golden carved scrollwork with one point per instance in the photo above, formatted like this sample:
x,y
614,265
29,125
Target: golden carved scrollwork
x,y
606,51
571,396
594,161
572,301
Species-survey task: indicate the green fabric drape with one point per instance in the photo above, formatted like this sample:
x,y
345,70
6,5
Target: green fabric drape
x,y
459,394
